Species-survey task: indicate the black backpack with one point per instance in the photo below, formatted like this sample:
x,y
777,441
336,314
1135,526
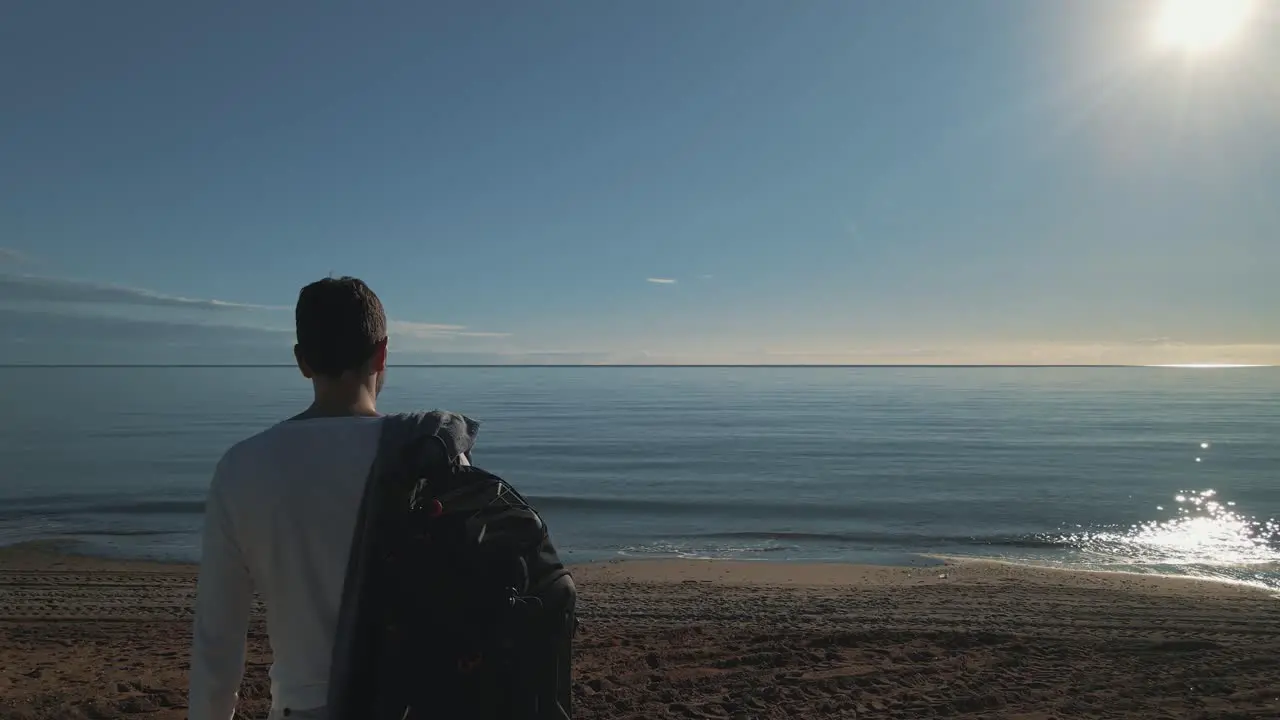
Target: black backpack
x,y
456,604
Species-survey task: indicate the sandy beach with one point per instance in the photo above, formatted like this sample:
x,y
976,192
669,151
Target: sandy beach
x,y
91,638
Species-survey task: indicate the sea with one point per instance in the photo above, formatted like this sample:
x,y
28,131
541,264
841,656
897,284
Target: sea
x,y
1162,470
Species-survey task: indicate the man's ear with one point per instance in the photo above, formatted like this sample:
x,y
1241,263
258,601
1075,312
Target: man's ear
x,y
378,363
302,364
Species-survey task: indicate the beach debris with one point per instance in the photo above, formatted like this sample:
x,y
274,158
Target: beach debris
x,y
942,576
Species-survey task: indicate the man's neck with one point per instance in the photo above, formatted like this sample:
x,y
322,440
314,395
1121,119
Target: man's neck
x,y
358,403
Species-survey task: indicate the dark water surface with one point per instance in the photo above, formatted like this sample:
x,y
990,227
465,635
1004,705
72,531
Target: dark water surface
x,y
1168,470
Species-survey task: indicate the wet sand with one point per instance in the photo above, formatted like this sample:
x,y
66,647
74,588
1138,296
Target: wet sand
x,y
90,638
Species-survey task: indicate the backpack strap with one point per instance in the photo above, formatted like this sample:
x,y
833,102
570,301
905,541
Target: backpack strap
x,y
446,436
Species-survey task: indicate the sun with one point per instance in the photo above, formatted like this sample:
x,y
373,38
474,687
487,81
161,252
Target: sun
x,y
1200,26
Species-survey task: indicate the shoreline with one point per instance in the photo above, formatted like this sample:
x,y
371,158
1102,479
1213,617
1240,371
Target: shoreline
x,y
63,552
84,637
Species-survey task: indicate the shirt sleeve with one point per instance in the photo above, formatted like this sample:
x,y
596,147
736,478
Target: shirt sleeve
x,y
224,593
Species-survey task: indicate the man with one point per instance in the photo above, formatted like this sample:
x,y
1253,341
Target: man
x,y
282,509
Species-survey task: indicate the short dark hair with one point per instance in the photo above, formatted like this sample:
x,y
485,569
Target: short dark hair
x,y
340,323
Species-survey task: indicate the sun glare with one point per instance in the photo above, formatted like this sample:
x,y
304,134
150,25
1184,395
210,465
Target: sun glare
x,y
1200,26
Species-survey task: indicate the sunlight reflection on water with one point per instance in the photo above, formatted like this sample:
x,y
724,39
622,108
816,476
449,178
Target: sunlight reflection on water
x,y
1205,538
1203,531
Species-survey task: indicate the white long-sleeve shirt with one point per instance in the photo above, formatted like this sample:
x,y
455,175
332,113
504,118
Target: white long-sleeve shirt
x,y
280,515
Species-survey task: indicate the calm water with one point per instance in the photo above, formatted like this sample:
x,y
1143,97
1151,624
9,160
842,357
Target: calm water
x,y
1160,469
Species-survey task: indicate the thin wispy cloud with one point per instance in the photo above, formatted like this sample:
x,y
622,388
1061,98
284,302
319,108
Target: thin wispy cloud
x,y
427,331
422,329
34,288
1156,341
661,281
45,295
11,257
84,328
34,337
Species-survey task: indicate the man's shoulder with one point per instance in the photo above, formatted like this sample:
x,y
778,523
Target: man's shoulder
x,y
244,453
289,435
254,444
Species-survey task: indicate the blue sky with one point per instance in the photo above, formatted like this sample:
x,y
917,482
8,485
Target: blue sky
x,y
916,181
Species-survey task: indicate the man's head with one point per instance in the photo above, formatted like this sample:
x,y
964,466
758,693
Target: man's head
x,y
342,333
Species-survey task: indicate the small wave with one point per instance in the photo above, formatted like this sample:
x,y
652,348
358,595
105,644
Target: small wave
x,y
134,533
152,507
701,507
884,538
700,551
1027,542
71,505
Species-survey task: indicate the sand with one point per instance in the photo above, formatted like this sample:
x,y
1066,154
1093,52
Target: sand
x,y
87,638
